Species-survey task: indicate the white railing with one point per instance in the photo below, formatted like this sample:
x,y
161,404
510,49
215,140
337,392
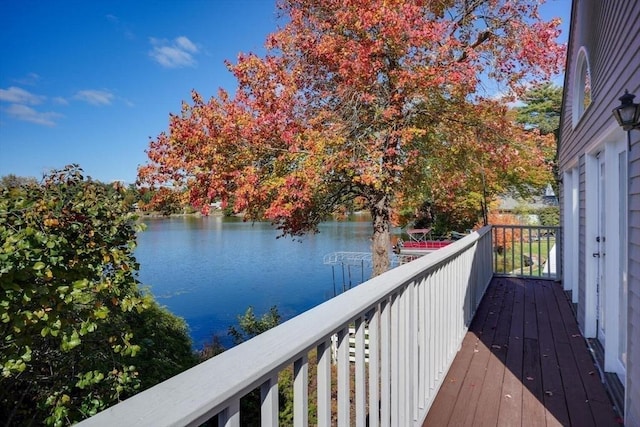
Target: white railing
x,y
416,316
532,251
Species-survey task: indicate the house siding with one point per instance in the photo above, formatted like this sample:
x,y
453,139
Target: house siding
x,y
581,251
609,54
633,314
609,32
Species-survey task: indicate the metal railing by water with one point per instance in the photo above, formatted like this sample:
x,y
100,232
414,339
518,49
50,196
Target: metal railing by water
x,y
530,251
416,316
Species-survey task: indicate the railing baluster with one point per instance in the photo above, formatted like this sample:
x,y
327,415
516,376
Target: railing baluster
x,y
385,363
423,335
494,246
405,354
468,277
513,246
324,384
531,261
450,314
301,392
439,321
230,417
504,248
395,359
556,239
547,269
431,343
374,368
413,379
344,416
269,402
359,374
470,290
541,271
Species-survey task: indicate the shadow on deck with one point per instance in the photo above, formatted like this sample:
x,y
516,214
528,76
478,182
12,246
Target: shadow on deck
x,y
523,362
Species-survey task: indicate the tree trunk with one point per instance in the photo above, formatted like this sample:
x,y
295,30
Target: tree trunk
x,y
380,214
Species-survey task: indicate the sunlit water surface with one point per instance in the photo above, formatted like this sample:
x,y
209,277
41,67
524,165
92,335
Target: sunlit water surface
x,y
208,270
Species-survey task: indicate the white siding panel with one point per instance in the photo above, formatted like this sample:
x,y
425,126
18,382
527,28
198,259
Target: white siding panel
x,y
632,416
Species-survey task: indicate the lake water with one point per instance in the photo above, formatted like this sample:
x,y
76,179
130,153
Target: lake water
x,y
208,270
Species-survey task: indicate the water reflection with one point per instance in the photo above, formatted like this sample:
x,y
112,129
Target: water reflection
x,y
210,269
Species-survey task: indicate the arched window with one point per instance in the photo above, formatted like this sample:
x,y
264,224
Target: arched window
x,y
581,86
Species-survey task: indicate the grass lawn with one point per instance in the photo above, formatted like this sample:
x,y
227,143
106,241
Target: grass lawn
x,y
525,258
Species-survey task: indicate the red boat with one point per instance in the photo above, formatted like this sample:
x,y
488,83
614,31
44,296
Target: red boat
x,y
420,242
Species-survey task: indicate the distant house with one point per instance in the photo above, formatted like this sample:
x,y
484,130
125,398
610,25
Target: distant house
x,y
550,198
600,191
511,205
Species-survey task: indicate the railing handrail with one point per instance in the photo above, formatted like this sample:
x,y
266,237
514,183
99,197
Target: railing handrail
x,y
525,226
201,392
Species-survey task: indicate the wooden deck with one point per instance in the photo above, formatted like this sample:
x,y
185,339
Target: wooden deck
x,y
523,363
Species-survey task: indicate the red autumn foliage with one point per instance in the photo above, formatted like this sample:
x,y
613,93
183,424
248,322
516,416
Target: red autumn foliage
x,y
353,99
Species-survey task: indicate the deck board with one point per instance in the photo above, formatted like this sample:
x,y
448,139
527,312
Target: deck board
x,y
464,410
523,362
511,400
554,403
489,403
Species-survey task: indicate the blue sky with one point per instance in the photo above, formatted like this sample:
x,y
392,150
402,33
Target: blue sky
x,y
89,82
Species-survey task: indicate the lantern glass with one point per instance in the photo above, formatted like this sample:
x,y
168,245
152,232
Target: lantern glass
x,y
627,113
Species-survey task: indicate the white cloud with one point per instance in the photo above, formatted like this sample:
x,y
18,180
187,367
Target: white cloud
x,y
174,54
120,26
20,96
186,44
60,100
95,97
28,114
30,79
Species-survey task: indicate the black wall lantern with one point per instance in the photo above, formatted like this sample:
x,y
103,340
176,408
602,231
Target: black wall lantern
x,y
627,114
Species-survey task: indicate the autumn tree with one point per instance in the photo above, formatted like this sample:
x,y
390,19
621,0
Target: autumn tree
x,y
343,104
484,154
166,201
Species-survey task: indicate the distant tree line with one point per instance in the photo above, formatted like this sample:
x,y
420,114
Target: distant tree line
x,y
165,200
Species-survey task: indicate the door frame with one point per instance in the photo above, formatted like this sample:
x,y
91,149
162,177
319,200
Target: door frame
x,y
618,232
571,229
597,147
611,142
592,176
599,254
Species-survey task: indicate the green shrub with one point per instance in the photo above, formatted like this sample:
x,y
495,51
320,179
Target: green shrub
x,y
78,334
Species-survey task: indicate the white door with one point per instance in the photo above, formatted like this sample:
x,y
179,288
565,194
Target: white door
x,y
600,254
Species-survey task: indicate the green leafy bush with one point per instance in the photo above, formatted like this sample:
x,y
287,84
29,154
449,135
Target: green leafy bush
x,y
549,216
73,321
